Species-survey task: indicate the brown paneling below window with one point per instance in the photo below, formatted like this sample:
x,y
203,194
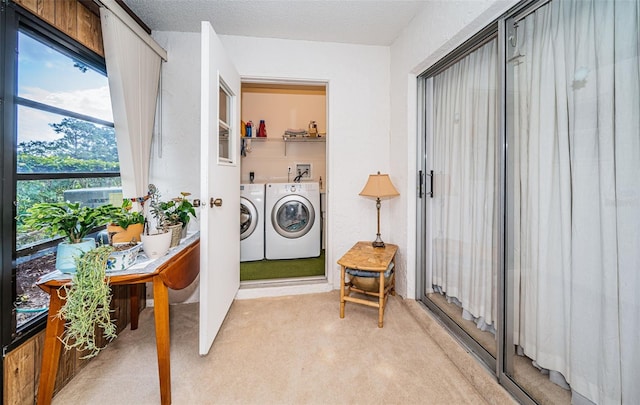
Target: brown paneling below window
x,y
71,17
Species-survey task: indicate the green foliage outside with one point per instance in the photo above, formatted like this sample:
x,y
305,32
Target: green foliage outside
x,y
82,147
57,164
80,140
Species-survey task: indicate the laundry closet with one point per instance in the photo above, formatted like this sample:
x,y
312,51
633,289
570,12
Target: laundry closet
x,y
283,180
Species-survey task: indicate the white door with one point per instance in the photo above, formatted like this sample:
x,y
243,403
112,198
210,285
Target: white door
x,y
220,186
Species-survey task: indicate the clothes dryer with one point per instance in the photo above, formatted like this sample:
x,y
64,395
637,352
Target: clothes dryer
x,y
292,225
251,222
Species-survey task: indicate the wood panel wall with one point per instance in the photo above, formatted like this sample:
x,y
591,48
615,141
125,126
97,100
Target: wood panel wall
x,y
22,365
71,17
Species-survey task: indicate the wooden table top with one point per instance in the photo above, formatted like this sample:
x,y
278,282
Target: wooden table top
x,y
363,256
177,277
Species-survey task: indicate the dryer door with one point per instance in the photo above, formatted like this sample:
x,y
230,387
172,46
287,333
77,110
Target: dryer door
x,y
293,216
248,218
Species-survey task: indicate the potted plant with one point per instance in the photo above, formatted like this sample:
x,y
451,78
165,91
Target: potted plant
x,y
155,243
87,301
71,220
174,215
126,224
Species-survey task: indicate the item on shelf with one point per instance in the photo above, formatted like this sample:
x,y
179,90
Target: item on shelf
x,y
248,128
293,132
262,130
313,129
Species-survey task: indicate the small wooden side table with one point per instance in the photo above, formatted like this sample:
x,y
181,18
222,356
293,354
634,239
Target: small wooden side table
x,y
363,256
178,270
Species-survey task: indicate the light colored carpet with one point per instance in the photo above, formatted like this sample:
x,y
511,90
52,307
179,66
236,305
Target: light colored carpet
x,y
292,350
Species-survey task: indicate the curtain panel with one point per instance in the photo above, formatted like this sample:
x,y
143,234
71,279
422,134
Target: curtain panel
x,y
576,204
133,69
464,236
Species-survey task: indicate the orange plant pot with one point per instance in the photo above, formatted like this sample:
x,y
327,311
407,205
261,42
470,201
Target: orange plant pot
x,y
118,234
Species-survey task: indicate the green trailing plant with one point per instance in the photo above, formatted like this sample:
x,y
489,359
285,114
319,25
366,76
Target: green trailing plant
x,y
126,216
86,309
68,219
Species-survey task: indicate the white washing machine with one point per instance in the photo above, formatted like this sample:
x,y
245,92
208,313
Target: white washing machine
x,y
292,225
251,222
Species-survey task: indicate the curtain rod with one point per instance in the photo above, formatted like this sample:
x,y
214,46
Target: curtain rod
x,y
122,14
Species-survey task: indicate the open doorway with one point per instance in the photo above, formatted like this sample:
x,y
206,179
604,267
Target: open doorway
x,y
283,186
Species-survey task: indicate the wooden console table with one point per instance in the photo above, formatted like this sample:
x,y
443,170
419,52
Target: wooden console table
x,y
176,271
363,256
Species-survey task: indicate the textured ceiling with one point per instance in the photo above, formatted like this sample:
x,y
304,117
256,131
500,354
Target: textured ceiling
x,y
348,21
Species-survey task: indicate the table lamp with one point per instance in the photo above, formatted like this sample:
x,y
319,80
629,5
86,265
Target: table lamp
x,y
379,186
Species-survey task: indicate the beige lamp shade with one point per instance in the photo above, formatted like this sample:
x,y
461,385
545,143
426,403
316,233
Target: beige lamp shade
x,y
379,186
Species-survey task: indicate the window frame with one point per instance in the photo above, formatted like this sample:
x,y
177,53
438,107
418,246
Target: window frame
x,y
16,19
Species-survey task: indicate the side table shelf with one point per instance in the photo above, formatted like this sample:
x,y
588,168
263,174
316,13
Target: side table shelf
x,y
363,256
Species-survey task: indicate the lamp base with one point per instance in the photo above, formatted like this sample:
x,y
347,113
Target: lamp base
x,y
378,243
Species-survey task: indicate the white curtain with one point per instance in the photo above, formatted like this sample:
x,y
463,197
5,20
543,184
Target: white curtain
x,y
133,69
464,230
577,194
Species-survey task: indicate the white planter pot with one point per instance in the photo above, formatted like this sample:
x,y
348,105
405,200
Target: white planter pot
x,y
68,252
156,245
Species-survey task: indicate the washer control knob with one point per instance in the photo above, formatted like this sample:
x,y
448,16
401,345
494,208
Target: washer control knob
x,y
293,189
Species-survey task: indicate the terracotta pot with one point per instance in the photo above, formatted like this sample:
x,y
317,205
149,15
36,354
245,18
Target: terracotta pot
x,y
118,234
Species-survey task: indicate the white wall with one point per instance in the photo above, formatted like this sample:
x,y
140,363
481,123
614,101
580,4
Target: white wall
x,y
357,128
441,27
175,156
371,117
357,80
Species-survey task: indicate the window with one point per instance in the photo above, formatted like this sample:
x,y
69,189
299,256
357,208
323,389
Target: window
x,y
224,126
64,150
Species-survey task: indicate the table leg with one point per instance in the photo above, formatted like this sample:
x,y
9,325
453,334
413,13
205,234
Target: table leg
x,y
341,291
381,301
51,350
161,313
134,303
392,291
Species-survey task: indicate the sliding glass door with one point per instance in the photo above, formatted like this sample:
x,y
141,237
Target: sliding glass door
x,y
529,240
573,263
461,139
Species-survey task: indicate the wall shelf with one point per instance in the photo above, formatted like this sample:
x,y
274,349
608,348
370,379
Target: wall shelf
x,y
287,139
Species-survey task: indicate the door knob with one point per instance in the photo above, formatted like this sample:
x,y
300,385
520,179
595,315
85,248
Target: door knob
x,y
217,202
